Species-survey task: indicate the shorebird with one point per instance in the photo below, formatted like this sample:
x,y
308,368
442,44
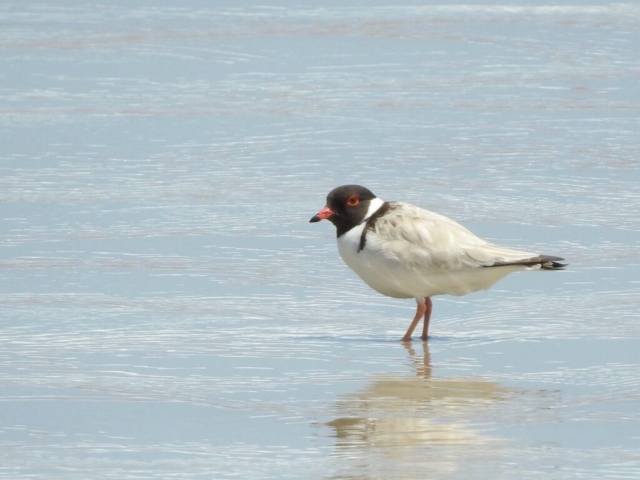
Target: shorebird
x,y
404,251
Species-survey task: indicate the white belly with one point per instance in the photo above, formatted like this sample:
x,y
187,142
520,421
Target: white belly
x,y
392,278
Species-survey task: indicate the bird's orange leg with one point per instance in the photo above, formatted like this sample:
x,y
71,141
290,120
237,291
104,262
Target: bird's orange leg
x,y
427,317
420,312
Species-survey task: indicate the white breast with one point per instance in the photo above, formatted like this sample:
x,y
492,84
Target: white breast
x,y
370,265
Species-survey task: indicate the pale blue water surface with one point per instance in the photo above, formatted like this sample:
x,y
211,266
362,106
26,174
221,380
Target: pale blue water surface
x,y
166,311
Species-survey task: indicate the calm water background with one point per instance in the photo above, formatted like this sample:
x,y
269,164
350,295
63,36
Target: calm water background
x,y
166,311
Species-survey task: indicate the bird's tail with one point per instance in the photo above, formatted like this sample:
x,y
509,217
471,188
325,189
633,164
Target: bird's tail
x,y
545,262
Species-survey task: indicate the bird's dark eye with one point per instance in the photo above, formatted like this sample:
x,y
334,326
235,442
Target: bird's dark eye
x,y
353,200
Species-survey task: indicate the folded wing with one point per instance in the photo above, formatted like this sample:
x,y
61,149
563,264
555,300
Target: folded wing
x,y
427,240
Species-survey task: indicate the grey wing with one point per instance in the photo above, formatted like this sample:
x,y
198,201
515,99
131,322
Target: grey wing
x,y
424,239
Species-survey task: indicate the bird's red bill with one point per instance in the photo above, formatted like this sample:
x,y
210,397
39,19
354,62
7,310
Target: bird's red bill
x,y
323,214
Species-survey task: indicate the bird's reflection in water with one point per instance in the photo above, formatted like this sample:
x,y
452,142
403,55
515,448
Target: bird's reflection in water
x,y
422,421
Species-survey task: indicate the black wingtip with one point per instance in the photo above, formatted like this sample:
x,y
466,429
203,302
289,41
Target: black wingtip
x,y
548,262
545,262
553,265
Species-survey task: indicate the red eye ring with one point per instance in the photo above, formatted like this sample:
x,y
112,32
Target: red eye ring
x,y
353,200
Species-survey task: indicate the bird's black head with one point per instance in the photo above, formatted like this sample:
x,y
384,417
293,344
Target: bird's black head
x,y
346,207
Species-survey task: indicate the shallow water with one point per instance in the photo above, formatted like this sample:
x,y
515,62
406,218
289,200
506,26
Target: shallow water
x,y
168,312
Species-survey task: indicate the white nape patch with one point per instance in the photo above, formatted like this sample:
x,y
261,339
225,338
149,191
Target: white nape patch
x,y
374,205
